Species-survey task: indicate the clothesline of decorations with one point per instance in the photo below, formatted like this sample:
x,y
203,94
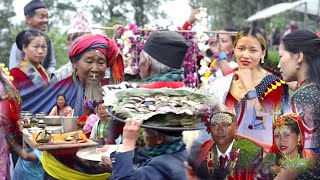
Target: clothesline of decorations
x,y
196,64
181,30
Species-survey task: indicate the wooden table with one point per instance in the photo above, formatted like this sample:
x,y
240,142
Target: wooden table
x,y
27,136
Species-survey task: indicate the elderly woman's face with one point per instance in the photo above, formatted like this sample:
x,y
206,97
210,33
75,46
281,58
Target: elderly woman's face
x,y
91,66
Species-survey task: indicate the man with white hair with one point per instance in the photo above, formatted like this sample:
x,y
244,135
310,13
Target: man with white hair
x,y
162,57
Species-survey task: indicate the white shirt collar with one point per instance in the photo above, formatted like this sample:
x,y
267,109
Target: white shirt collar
x,y
227,152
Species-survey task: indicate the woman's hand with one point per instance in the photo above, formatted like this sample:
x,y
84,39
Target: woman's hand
x,y
245,77
241,83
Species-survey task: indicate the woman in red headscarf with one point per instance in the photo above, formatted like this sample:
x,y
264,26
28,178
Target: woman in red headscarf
x,y
287,155
90,55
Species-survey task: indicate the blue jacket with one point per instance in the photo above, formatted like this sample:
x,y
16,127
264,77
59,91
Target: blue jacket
x,y
163,167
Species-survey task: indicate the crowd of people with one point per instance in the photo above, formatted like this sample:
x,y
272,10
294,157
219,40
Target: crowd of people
x,y
259,131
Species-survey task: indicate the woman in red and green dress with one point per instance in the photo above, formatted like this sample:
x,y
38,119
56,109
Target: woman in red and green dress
x,y
30,73
9,119
288,157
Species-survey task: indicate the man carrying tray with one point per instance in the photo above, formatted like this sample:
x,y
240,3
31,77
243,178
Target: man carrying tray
x,y
163,159
160,66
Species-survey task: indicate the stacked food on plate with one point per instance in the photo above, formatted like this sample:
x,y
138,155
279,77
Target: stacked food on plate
x,y
165,107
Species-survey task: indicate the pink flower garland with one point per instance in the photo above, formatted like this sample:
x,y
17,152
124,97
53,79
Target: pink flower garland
x,y
131,57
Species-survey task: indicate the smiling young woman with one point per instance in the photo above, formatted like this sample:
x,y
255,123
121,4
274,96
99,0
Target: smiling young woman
x,y
288,146
255,95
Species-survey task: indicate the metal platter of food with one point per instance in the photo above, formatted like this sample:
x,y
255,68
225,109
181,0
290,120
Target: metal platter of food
x,y
164,108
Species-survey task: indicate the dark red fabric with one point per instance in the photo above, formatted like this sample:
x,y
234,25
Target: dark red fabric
x,y
9,115
21,80
231,102
238,175
83,118
43,75
222,161
186,26
156,85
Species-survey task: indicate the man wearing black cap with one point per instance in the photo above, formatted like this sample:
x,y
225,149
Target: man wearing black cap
x,y
162,57
163,159
36,15
160,66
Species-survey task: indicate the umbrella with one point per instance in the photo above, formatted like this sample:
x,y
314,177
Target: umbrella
x,y
312,8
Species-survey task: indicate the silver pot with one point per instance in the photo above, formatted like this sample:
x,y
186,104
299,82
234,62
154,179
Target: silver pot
x,y
26,115
40,116
69,124
52,120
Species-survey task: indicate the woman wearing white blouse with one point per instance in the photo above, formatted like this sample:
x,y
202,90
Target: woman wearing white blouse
x,y
99,129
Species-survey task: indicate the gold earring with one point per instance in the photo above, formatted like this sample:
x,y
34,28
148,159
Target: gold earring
x,y
262,60
297,65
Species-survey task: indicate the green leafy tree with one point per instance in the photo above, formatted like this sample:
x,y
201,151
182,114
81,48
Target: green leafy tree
x,y
122,11
6,38
60,47
233,12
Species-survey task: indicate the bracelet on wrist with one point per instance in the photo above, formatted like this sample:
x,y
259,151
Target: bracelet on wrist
x,y
221,56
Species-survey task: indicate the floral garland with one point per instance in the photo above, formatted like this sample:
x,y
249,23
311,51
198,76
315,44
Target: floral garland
x,y
132,40
5,70
234,157
8,93
190,60
131,44
196,50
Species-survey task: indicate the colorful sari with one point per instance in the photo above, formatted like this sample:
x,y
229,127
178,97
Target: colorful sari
x,y
254,122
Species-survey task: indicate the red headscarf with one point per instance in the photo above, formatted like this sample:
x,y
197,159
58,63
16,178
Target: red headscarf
x,y
284,120
105,45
